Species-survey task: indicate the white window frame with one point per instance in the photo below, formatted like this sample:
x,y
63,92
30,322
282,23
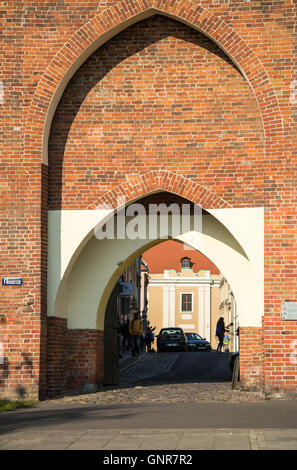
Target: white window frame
x,y
181,302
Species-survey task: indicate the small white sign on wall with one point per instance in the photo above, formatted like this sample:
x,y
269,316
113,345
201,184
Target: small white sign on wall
x,y
1,353
12,281
289,310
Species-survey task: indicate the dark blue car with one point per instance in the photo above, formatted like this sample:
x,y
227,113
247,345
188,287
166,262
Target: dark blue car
x,y
171,339
197,343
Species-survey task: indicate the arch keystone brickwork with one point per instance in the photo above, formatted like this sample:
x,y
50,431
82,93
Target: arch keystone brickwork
x,y
138,186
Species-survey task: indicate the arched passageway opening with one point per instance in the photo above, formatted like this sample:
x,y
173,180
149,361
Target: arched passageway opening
x,y
178,295
179,116
79,301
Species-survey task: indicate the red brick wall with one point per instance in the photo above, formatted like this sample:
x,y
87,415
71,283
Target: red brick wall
x,y
85,355
74,357
268,357
251,357
260,36
280,355
157,96
57,368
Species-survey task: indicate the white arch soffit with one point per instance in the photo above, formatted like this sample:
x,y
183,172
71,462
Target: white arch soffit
x,y
98,43
91,261
68,233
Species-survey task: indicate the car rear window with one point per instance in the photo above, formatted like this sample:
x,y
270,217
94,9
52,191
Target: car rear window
x,y
191,336
171,331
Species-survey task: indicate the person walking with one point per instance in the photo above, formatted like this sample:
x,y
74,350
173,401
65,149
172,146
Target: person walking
x,y
220,333
226,343
135,330
126,337
118,329
149,337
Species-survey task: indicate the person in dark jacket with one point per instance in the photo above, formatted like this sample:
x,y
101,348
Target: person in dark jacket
x,y
126,337
220,333
149,337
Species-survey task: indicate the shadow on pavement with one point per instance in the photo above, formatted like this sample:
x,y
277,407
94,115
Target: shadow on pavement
x,y
37,418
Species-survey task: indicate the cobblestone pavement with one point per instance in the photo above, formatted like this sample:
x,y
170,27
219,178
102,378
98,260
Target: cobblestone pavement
x,y
149,366
152,439
166,393
132,390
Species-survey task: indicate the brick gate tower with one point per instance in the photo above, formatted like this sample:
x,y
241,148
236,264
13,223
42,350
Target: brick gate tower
x,y
106,98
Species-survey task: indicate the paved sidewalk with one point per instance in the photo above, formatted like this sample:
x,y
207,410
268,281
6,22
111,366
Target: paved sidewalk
x,y
153,439
263,425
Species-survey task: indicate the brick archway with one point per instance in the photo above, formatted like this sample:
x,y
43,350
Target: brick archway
x,y
113,20
86,340
138,186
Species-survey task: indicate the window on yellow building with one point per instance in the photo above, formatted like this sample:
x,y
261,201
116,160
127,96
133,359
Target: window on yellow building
x,y
186,302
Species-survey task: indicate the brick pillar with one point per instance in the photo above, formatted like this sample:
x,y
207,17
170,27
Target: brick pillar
x,y
280,358
43,283
251,357
57,367
75,358
85,355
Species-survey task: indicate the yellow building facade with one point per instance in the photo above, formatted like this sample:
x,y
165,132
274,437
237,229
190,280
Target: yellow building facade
x,y
185,299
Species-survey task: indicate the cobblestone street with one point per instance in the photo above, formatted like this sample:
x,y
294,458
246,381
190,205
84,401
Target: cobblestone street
x,y
166,393
136,388
149,365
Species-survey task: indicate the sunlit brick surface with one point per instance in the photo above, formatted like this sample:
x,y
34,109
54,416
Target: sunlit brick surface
x,y
159,95
159,105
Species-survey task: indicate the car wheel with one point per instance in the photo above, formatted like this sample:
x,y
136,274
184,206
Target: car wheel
x,y
186,348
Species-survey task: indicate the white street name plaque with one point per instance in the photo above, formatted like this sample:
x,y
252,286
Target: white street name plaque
x,y
289,310
12,281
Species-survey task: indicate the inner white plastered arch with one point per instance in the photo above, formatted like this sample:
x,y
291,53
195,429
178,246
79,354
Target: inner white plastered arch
x,y
83,269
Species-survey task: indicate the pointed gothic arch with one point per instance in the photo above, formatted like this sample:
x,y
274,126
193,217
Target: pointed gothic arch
x,y
115,19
